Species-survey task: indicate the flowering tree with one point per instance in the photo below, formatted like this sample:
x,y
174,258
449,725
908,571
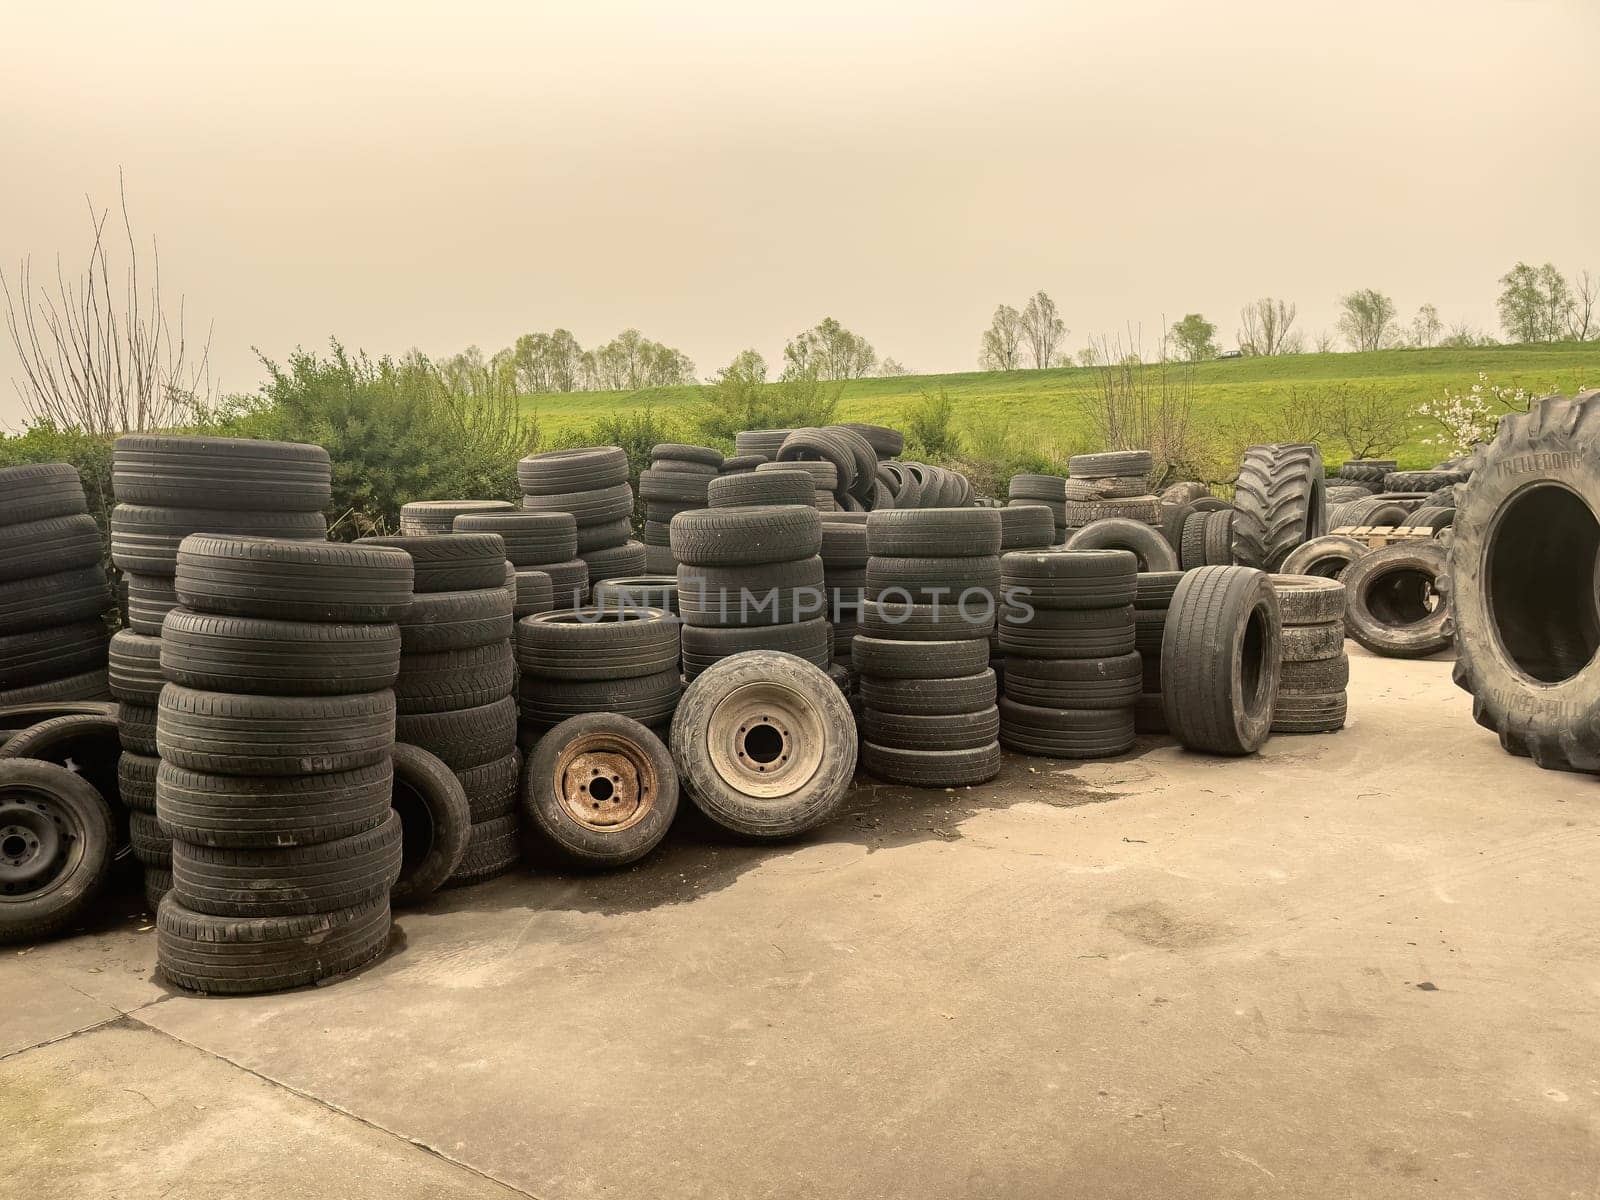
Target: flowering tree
x,y
1471,417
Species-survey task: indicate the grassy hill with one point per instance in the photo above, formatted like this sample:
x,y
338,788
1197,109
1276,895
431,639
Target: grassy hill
x,y
1045,410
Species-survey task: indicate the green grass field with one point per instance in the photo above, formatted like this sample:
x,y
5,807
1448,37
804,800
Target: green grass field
x,y
1045,411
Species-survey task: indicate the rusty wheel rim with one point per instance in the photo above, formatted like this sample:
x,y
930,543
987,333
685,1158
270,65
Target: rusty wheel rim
x,y
605,782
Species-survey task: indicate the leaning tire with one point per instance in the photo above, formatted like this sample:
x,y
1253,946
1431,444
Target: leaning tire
x,y
435,819
1278,503
1221,657
1393,606
1146,543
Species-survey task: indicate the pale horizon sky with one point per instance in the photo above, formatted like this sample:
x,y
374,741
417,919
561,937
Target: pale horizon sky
x,y
723,175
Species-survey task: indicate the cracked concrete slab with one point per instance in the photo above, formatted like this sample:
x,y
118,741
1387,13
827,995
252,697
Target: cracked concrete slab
x,y
1357,965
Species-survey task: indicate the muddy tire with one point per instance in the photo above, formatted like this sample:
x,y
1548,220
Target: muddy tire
x,y
765,745
1279,503
1221,660
1393,605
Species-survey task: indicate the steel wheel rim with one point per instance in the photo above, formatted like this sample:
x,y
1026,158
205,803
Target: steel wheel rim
x,y
40,844
765,740
605,782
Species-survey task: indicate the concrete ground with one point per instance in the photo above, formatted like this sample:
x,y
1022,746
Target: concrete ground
x,y
1365,964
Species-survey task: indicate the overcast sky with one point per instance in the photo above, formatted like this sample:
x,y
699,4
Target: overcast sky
x,y
722,175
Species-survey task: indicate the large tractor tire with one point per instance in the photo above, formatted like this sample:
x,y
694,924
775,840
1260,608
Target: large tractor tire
x,y
1279,503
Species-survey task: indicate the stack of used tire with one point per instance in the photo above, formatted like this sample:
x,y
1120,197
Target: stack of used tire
x,y
53,590
1114,485
927,692
1207,536
750,578
741,464
765,442
591,483
1221,658
1316,671
276,731
619,659
1152,597
456,692
1374,510
167,488
770,483
675,482
844,575
1048,490
426,518
824,478
855,462
541,548
1365,473
921,485
1072,676
1279,502
1027,525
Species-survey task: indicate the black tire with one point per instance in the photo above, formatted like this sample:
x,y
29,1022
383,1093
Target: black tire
x,y
602,789
844,542
959,731
229,734
593,506
1067,633
455,679
150,599
608,535
450,562
1186,492
1326,556
1221,660
1155,589
1025,525
885,442
136,780
639,592
824,445
882,658
1076,683
38,491
157,883
559,471
926,622
215,472
597,643
766,442
347,872
1049,488
1141,540
1143,509
708,456
790,739
84,743
1107,487
931,580
463,737
435,819
61,598
1192,545
269,657
1219,538
48,547
934,533
1419,481
493,848
90,685
40,655
145,539
615,562
1064,732
1308,599
703,647
441,621
569,583
260,812
492,788
1081,579
716,537
530,537
930,697
1430,518
1393,604
533,592
763,487
1110,463
774,594
56,839
1278,502
1315,677
1310,643
931,768
243,956
136,728
741,463
648,699
293,581
134,668
1311,714
152,845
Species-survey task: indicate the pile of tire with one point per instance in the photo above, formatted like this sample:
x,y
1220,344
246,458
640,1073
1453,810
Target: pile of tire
x,y
167,488
1312,696
53,589
1394,603
1111,485
822,480
1206,539
1520,583
923,485
854,478
1152,597
1279,503
428,518
675,482
590,483
276,732
742,464
765,442
541,550
750,578
1048,490
1365,473
922,655
456,692
602,659
844,576
1072,676
1221,658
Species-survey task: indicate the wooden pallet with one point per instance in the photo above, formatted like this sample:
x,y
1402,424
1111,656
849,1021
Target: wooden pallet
x,y
1386,535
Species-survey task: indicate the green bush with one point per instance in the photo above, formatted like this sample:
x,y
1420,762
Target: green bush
x,y
739,398
931,431
90,453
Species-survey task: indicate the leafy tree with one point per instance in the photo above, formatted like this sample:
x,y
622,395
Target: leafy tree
x,y
1534,303
631,361
1042,329
1266,325
739,397
1426,328
548,362
830,352
1367,319
1002,341
889,368
1195,337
